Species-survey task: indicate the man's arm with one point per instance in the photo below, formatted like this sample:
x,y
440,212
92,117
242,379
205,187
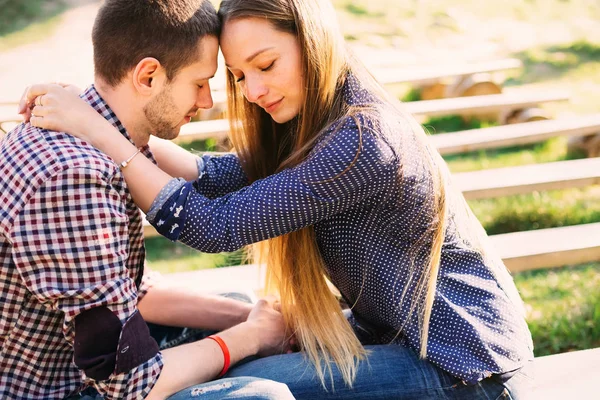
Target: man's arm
x,y
263,334
172,303
71,247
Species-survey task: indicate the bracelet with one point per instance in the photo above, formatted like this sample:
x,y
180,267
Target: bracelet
x,y
125,163
226,354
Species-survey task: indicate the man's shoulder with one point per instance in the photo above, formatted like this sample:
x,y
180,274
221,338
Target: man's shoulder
x,y
30,157
31,153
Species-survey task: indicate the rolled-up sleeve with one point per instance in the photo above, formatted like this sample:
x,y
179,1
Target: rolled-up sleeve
x,y
70,245
351,164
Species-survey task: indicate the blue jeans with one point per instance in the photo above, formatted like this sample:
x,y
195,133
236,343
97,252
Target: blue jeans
x,y
391,372
244,388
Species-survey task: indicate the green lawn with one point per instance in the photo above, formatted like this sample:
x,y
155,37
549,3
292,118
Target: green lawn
x,y
24,22
563,307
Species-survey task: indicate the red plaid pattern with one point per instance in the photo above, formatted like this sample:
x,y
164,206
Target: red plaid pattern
x,y
70,240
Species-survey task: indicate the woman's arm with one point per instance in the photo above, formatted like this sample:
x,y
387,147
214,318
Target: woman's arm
x,y
352,166
173,159
63,110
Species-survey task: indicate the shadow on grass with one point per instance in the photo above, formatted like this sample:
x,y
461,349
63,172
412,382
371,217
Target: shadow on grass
x,y
553,62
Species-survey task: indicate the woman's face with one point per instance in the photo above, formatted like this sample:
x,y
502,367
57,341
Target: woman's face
x,y
266,63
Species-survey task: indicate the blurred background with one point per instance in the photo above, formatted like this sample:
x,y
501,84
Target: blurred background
x,y
556,44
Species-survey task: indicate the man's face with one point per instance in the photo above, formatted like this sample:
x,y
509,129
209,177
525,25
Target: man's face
x,y
182,97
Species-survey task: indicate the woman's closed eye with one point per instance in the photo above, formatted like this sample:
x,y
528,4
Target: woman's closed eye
x,y
268,67
265,69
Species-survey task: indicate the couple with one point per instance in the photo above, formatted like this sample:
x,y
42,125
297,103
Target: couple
x,y
330,180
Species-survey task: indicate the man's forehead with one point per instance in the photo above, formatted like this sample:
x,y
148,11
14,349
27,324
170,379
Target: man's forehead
x,y
204,65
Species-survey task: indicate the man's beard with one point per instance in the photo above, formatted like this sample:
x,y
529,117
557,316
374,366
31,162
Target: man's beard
x,y
157,113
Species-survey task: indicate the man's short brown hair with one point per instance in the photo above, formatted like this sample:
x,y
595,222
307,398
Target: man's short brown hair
x,y
127,31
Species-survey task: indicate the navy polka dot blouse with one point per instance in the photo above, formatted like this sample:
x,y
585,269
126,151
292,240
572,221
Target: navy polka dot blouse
x,y
367,219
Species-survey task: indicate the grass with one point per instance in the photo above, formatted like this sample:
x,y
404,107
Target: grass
x,y
538,210
554,149
563,307
23,22
168,257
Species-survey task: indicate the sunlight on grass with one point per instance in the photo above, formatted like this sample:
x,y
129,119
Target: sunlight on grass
x,y
31,34
563,307
538,210
168,257
551,150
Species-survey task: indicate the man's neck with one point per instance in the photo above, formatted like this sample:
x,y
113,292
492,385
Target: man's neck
x,y
122,104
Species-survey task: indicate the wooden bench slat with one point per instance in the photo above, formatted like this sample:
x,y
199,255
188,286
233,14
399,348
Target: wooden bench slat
x,y
9,114
459,105
513,135
527,178
572,375
432,74
482,104
216,129
543,248
521,251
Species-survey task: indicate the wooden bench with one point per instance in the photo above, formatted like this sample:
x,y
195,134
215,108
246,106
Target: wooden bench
x,y
503,103
428,75
528,178
520,251
571,375
496,103
8,117
515,134
548,248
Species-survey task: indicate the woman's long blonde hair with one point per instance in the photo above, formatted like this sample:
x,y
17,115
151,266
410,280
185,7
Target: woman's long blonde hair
x,y
295,267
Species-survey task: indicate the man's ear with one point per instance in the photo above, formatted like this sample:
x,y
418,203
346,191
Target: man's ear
x,y
148,75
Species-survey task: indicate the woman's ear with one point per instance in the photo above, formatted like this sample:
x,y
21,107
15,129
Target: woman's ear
x,y
148,76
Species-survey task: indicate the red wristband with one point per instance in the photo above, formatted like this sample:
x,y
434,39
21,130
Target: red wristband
x,y
226,355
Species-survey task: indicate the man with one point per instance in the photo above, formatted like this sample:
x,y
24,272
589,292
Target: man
x,y
73,297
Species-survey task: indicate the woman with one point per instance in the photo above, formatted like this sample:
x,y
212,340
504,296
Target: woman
x,y
333,180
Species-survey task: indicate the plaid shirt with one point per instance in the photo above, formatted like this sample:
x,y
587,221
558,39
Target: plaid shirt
x,y
70,240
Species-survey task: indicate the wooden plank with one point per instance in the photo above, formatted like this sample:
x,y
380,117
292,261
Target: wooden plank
x,y
544,248
571,375
245,278
217,129
431,74
9,114
487,103
520,251
482,104
527,178
514,135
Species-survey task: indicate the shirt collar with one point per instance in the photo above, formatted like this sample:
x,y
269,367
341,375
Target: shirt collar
x,y
93,98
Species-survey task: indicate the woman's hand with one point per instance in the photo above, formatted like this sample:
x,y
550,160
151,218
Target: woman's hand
x,y
272,336
57,107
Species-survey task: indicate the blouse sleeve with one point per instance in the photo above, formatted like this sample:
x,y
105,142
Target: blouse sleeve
x,y
351,164
219,175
